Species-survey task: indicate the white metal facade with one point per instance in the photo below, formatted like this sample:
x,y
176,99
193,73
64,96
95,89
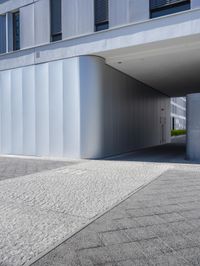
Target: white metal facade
x,y
178,113
78,107
71,98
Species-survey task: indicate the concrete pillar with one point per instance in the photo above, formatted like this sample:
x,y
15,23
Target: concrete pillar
x,y
193,127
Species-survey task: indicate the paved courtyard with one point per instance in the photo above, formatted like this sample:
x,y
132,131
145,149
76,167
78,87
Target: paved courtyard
x,y
159,225
122,211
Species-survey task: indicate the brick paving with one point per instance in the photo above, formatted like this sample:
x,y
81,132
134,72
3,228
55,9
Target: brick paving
x,y
158,225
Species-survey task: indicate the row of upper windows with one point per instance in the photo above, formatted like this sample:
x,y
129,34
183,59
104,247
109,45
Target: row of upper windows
x,y
101,17
157,8
101,10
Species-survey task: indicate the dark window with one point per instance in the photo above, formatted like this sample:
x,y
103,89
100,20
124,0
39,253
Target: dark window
x,y
173,123
165,7
101,15
16,31
2,34
56,23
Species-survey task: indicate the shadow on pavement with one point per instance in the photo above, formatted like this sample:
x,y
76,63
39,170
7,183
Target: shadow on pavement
x,y
174,152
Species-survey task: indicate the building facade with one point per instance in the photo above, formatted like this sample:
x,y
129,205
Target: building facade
x,y
90,78
178,113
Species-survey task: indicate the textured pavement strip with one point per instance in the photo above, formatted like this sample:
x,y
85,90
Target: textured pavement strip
x,y
155,226
38,211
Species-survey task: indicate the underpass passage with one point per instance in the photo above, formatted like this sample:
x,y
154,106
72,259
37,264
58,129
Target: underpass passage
x,y
173,152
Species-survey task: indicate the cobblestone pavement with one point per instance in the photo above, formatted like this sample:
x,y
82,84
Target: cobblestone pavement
x,y
158,225
40,210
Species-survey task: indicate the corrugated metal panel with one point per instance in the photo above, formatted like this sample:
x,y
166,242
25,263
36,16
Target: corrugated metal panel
x,y
154,4
101,11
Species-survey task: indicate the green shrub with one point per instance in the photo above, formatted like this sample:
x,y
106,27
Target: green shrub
x,y
177,132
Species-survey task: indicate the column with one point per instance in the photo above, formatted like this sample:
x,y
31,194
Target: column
x,y
193,127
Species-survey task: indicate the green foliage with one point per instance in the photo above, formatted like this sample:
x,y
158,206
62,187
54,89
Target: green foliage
x,y
178,132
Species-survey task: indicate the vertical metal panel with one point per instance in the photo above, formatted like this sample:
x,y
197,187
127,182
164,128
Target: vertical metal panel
x,y
109,101
77,17
10,5
138,10
91,84
127,11
195,3
78,107
42,109
16,111
118,12
27,26
85,18
6,137
71,107
29,130
42,22
56,108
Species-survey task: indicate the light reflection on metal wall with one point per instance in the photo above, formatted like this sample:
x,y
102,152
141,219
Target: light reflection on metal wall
x,y
78,107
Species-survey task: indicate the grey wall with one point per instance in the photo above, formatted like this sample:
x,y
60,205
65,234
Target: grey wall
x,y
127,11
77,17
39,109
118,113
34,21
11,5
42,22
27,28
78,107
195,3
139,10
